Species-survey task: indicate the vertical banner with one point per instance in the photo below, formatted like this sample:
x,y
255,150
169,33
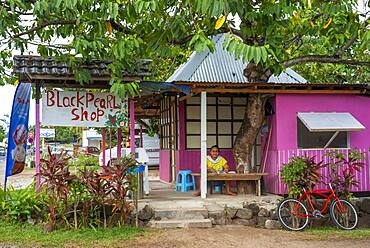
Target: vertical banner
x,y
17,137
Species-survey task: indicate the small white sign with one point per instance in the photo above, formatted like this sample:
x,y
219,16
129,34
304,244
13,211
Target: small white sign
x,y
78,108
47,133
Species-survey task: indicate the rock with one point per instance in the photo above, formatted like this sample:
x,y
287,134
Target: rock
x,y
231,212
244,222
31,221
218,217
254,207
272,224
264,212
364,205
244,213
146,213
273,214
261,221
48,228
364,221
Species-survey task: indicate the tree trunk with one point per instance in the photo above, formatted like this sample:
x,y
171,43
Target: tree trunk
x,y
253,120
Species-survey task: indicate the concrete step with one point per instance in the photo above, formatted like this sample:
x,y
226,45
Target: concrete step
x,y
180,214
191,223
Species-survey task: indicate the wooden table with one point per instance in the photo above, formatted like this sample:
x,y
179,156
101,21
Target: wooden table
x,y
236,177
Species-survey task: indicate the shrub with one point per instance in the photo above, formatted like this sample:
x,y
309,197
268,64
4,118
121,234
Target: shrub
x,y
83,160
301,172
21,204
56,177
342,170
88,198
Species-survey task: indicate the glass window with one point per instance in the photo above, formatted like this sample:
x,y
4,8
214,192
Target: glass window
x,y
211,100
193,127
238,112
224,100
193,141
211,112
193,100
211,127
224,112
220,131
193,112
236,127
224,141
224,127
240,100
307,139
211,140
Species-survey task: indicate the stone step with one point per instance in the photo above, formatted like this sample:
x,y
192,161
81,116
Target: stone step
x,y
180,214
190,223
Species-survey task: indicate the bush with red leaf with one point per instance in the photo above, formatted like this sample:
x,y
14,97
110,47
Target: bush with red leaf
x,y
55,179
342,170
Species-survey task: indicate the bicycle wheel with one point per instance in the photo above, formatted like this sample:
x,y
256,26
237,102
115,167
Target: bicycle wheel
x,y
292,214
344,215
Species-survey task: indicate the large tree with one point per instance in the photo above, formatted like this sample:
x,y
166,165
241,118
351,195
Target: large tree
x,y
272,35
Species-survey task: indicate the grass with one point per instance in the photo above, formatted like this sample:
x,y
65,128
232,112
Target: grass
x,y
332,232
34,236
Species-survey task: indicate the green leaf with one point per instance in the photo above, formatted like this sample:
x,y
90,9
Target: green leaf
x,y
264,53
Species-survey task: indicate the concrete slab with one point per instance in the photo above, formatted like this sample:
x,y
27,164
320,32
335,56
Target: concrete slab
x,y
181,214
200,223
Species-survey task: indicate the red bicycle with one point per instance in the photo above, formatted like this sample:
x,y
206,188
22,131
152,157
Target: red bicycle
x,y
294,216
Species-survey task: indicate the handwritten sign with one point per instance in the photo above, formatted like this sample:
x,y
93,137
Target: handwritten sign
x,y
78,108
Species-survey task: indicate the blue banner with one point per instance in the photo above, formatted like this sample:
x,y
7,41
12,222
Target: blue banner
x,y
18,130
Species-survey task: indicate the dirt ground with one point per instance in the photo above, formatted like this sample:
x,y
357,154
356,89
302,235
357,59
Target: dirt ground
x,y
240,237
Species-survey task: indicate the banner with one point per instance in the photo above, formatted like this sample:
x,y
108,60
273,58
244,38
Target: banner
x,y
78,108
17,137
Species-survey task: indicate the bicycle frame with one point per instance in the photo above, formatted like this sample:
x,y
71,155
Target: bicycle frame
x,y
327,194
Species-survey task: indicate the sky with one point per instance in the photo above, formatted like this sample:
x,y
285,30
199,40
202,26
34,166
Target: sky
x,y
6,102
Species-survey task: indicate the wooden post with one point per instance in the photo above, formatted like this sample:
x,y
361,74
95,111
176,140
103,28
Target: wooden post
x,y
119,143
132,126
203,145
104,134
37,135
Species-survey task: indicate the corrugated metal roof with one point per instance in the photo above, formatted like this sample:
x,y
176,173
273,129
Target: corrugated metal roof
x,y
222,67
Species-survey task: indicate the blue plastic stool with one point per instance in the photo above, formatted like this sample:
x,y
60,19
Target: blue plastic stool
x,y
185,180
216,186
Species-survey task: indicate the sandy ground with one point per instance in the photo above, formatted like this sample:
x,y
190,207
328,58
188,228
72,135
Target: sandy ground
x,y
239,237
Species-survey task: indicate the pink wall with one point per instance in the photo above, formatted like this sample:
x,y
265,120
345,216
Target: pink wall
x,y
190,159
164,165
284,138
287,106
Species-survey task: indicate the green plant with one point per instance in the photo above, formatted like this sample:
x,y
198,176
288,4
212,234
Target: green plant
x,y
301,172
342,170
19,205
83,160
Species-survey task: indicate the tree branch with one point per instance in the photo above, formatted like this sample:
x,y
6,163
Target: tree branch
x,y
323,59
350,42
182,40
43,25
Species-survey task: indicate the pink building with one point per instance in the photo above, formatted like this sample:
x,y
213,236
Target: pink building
x,y
304,117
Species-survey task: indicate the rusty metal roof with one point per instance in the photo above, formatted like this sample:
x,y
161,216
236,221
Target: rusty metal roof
x,y
222,67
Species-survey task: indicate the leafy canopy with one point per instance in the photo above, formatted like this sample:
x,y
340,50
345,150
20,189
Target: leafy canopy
x,y
273,34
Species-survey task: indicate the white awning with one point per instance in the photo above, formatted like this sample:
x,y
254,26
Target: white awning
x,y
329,121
